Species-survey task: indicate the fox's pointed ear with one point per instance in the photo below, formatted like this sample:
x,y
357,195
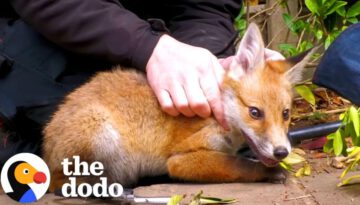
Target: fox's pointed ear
x,y
297,65
250,54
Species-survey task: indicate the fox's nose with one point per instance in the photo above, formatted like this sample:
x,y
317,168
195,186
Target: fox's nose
x,y
280,152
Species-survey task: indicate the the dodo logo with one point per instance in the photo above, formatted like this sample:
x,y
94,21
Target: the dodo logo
x,y
25,177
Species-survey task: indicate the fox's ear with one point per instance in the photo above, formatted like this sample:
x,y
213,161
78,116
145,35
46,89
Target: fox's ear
x,y
297,65
250,53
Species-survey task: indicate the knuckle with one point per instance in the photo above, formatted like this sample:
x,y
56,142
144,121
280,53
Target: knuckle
x,y
185,109
189,114
169,109
201,108
182,107
198,105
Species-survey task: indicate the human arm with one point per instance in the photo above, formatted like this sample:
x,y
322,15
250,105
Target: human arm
x,y
99,28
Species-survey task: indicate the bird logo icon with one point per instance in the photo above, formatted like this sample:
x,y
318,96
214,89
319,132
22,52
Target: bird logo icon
x,y
25,178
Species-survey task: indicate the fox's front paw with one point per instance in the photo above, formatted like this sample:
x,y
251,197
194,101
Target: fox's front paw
x,y
276,175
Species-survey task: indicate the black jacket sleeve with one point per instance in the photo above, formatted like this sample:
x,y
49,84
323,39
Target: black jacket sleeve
x,y
101,28
205,23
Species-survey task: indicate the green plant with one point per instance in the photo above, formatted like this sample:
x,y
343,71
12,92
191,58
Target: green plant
x,y
337,142
324,22
296,158
240,22
199,199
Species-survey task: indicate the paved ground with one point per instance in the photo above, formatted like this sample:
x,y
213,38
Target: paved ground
x,y
320,189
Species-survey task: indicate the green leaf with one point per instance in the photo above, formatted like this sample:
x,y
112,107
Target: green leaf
x,y
331,136
348,180
341,11
288,21
354,10
335,6
175,200
288,49
213,200
307,169
313,6
306,93
304,46
328,147
353,20
354,117
341,116
240,24
286,166
338,143
328,41
300,172
319,34
293,158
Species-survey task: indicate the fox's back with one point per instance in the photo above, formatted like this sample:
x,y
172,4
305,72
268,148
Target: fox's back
x,y
114,118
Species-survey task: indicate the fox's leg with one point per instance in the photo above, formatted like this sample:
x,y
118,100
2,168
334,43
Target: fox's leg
x,y
214,166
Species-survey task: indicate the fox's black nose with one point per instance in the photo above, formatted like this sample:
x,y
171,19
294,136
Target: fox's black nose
x,y
280,152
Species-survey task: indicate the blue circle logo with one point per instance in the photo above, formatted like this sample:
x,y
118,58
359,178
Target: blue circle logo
x,y
25,178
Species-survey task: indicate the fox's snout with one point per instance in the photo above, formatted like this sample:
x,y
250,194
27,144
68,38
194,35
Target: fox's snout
x,y
280,152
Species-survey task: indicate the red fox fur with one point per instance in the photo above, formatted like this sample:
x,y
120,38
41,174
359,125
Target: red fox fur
x,y
115,119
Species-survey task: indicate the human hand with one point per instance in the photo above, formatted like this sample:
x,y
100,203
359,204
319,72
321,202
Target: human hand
x,y
186,79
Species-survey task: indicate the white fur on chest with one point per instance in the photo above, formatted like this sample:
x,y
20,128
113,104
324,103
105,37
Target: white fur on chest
x,y
121,165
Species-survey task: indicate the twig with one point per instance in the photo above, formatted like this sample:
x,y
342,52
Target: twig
x,y
264,11
299,197
306,115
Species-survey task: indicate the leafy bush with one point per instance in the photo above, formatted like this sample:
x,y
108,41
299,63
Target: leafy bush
x,y
337,142
326,20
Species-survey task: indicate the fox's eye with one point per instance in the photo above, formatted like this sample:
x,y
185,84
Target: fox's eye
x,y
255,113
286,114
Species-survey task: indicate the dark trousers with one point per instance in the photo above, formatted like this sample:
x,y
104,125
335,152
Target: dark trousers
x,y
35,75
339,68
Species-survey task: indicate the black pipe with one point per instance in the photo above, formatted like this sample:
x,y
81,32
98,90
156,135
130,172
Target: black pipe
x,y
315,131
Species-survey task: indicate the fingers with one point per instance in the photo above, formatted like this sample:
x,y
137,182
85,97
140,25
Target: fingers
x,y
180,100
212,93
166,102
196,98
188,100
218,71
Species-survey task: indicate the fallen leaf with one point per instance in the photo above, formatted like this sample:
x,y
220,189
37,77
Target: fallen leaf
x,y
175,200
338,162
293,158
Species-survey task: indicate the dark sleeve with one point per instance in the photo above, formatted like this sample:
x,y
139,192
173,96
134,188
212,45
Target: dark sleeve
x,y
206,23
101,28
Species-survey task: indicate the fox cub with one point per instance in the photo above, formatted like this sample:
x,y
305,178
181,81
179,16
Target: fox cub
x,y
115,119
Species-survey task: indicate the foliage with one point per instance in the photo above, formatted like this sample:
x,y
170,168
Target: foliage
x,y
353,160
296,158
336,142
200,199
240,22
326,20
323,22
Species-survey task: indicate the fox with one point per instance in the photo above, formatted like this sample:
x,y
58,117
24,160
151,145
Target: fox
x,y
115,119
